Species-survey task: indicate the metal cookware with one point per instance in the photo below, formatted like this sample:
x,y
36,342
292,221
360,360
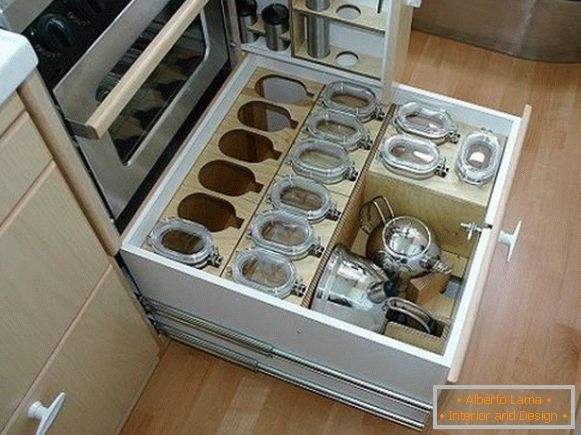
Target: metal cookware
x,y
354,289
407,313
402,246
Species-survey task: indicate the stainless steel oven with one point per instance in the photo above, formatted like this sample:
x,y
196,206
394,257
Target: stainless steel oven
x,y
127,76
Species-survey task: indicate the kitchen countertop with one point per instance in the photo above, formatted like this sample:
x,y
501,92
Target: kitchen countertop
x,y
17,61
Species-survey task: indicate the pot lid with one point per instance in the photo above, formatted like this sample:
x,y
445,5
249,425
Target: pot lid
x,y
411,156
426,121
406,236
478,158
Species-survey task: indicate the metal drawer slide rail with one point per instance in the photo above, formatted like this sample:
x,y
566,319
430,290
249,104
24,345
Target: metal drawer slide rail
x,y
254,365
164,311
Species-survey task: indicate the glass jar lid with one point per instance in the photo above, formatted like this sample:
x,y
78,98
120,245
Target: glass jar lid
x,y
339,128
321,161
184,241
286,234
351,98
406,237
412,157
303,197
478,158
268,272
425,121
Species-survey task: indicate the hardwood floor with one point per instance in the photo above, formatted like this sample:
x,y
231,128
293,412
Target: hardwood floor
x,y
529,327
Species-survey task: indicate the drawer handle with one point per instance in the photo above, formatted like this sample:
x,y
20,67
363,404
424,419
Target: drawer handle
x,y
510,240
45,415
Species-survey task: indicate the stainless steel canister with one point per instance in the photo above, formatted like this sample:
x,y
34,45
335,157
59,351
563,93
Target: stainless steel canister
x,y
318,30
276,22
247,18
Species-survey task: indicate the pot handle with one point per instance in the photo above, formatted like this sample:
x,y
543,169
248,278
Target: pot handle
x,y
382,206
435,265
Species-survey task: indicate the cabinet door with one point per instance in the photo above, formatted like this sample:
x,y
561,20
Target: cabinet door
x,y
50,260
101,365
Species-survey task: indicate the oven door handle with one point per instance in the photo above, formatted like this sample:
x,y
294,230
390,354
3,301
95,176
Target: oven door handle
x,y
111,107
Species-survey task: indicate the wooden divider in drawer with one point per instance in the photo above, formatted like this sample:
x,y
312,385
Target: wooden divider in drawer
x,y
50,260
9,111
23,156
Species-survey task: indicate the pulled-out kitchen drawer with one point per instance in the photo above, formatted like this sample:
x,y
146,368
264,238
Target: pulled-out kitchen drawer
x,y
383,375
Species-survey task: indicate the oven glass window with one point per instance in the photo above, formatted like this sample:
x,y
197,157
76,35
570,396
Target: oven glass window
x,y
144,110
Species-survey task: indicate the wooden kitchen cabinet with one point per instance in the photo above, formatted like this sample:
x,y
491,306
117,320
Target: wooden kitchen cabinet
x,y
68,321
100,365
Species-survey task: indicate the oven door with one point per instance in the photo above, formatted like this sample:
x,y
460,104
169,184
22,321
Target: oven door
x,y
132,91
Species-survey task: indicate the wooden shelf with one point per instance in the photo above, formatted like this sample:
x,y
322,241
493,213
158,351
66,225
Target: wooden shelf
x,y
367,65
368,19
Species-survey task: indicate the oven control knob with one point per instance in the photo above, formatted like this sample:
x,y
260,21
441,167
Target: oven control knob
x,y
54,32
87,9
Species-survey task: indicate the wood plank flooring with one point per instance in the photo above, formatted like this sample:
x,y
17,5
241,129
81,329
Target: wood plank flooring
x,y
529,326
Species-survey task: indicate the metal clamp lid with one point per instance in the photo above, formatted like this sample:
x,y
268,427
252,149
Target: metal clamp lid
x,y
266,271
303,197
322,161
425,121
286,234
353,99
339,128
184,241
412,157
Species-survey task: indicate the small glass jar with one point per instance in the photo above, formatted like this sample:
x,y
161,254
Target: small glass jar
x,y
184,241
339,128
286,234
321,161
425,121
478,158
303,197
268,272
412,157
353,99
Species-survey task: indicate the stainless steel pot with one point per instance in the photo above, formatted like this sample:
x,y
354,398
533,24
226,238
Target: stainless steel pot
x,y
402,246
354,290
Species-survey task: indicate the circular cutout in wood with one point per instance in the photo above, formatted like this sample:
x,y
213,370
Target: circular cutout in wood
x,y
216,214
248,146
346,59
348,12
228,178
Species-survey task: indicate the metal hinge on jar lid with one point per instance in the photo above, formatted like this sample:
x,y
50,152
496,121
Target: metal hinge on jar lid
x,y
425,121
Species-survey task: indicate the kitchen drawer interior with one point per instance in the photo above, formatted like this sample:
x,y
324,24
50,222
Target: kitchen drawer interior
x,y
244,186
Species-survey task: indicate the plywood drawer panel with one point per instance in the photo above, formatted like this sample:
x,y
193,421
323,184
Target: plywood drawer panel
x,y
101,365
50,260
23,156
